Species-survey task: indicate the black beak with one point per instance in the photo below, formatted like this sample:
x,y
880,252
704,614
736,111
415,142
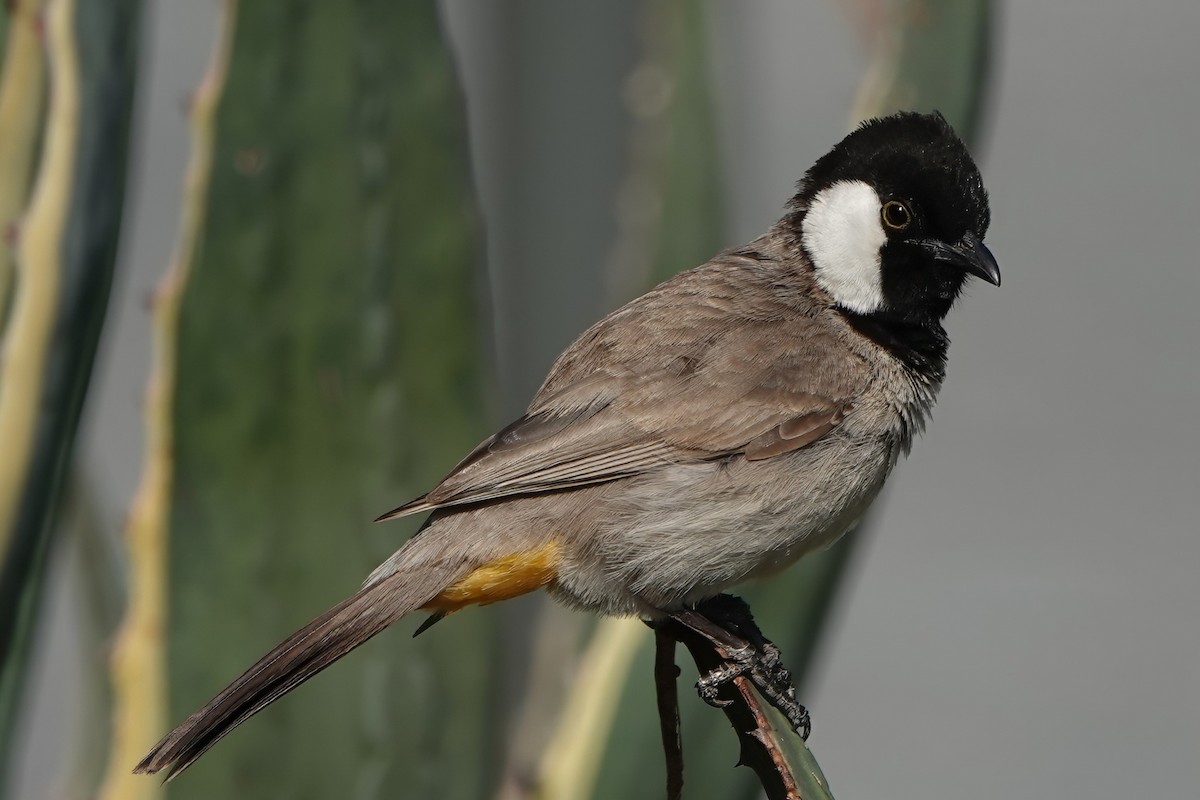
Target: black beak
x,y
968,253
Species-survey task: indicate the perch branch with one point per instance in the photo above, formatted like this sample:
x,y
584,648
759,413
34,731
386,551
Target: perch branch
x,y
666,673
733,658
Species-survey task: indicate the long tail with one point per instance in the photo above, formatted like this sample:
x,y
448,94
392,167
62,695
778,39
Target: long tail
x,y
293,661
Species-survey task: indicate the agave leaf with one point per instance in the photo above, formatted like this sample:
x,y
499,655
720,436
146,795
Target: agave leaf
x,y
66,252
931,55
328,368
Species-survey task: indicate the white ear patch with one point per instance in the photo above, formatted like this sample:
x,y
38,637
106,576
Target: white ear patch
x,y
843,234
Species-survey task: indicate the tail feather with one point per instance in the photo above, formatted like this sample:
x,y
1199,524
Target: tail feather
x,y
294,660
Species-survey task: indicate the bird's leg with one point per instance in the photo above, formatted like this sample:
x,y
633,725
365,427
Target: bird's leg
x,y
726,622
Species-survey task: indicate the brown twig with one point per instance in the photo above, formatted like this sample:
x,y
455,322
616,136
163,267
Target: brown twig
x,y
714,646
666,673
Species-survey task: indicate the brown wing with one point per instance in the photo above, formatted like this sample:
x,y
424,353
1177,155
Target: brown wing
x,y
544,452
794,433
661,382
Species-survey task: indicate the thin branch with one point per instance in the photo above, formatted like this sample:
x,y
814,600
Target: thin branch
x,y
666,673
732,656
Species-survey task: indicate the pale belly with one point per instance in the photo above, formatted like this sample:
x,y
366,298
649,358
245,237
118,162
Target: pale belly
x,y
688,532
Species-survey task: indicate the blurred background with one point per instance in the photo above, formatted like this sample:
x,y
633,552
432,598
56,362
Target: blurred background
x,y
409,212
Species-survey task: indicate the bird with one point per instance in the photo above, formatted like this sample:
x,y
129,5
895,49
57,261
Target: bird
x,y
711,431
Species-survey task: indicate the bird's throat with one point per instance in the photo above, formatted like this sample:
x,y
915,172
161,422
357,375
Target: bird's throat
x,y
920,346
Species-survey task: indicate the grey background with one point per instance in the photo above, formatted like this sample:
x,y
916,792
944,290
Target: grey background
x,y
1023,621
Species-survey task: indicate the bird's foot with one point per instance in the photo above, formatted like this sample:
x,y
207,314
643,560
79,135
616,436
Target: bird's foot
x,y
727,623
709,685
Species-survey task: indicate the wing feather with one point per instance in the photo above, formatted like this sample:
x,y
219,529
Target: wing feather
x,y
651,385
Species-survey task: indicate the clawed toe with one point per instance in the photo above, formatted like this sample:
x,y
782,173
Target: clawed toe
x,y
708,686
748,654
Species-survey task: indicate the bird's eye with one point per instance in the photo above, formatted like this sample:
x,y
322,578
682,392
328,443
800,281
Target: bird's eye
x,y
896,215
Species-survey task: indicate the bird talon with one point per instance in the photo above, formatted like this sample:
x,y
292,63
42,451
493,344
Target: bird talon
x,y
708,685
710,697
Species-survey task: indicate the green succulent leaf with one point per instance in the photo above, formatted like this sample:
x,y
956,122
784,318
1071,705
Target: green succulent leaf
x,y
329,366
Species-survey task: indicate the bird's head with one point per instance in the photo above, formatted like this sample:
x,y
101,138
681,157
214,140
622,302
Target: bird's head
x,y
892,219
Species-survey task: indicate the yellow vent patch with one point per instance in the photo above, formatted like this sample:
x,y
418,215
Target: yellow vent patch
x,y
501,579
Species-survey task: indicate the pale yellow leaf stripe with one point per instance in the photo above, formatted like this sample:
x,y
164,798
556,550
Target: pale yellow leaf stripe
x,y
139,670
39,266
571,761
21,86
